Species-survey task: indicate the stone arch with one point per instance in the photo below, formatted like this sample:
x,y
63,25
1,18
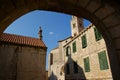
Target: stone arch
x,y
105,14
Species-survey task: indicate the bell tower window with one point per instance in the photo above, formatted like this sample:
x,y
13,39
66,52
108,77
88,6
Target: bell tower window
x,y
74,25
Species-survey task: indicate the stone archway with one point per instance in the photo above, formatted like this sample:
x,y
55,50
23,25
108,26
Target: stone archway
x,y
105,14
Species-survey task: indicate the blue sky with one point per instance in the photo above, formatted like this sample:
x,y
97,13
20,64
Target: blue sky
x,y
55,26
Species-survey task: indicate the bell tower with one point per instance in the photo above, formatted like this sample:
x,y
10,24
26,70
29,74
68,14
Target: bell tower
x,y
40,34
76,25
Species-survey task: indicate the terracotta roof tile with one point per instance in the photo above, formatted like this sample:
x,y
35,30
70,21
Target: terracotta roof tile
x,y
17,39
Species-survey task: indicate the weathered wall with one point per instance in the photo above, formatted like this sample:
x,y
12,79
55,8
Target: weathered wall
x,y
46,75
8,62
91,51
22,63
105,14
61,49
55,70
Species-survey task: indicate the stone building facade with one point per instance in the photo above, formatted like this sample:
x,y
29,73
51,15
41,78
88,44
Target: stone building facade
x,y
84,54
22,58
55,71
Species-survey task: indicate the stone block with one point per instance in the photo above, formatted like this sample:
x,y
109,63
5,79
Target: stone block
x,y
112,20
83,3
104,11
115,31
117,43
93,6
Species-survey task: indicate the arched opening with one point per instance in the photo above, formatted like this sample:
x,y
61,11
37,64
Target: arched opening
x,y
105,16
55,26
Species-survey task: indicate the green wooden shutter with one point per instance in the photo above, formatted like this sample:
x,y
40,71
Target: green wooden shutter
x,y
74,47
103,60
75,67
84,41
86,64
98,36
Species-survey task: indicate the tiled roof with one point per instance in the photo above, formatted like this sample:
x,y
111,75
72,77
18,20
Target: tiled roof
x,y
22,40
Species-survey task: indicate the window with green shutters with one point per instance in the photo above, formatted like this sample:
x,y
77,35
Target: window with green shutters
x,y
74,47
86,64
75,67
103,60
67,69
98,36
84,41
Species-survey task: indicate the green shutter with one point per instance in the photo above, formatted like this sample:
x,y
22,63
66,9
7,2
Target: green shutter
x,y
74,47
84,41
103,60
86,64
75,67
98,36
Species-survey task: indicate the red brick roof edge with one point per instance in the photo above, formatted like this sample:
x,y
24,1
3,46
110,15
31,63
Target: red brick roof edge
x,y
22,40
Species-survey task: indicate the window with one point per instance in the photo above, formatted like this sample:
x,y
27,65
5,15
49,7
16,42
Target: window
x,y
86,64
103,60
74,47
51,59
68,51
98,36
74,25
84,41
75,34
67,69
75,67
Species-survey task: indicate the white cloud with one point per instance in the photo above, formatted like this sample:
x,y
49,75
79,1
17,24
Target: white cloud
x,y
51,33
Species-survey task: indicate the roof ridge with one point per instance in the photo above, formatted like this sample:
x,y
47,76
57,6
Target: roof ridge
x,y
22,40
20,35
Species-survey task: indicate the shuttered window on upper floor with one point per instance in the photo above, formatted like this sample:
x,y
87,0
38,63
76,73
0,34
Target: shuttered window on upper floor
x,y
84,41
98,35
74,46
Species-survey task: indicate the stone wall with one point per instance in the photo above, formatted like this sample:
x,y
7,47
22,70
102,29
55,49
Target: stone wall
x,y
103,13
22,63
93,48
55,69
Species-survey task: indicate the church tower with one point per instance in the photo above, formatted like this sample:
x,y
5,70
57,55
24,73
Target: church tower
x,y
40,33
76,25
